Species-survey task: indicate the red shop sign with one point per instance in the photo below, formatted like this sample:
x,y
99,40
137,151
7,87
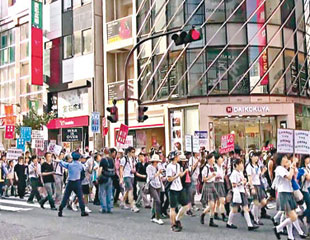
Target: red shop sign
x,y
58,123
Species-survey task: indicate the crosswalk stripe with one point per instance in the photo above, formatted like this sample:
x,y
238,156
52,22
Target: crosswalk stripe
x,y
18,202
13,209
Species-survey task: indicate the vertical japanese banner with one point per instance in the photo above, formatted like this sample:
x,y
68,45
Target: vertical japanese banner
x,y
25,133
36,43
95,122
21,144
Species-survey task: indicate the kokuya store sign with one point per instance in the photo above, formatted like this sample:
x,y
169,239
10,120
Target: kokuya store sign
x,y
248,109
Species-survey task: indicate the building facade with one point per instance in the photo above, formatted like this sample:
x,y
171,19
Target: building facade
x,y
73,70
247,76
19,86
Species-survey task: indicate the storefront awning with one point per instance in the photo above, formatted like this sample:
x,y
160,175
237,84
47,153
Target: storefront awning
x,y
58,123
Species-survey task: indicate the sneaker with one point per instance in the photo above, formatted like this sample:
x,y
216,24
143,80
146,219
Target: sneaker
x,y
179,225
87,209
135,209
60,214
303,235
42,205
190,213
125,207
158,221
74,207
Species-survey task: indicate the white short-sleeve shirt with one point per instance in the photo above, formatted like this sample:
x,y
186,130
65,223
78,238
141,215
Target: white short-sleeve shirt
x,y
254,171
237,178
173,170
283,184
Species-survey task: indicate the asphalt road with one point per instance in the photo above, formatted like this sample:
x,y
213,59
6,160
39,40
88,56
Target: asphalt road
x,y
36,223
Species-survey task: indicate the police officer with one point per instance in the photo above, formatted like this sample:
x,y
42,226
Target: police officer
x,y
74,183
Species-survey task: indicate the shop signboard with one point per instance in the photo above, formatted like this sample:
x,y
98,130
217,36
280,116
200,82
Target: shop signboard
x,y
227,143
119,30
203,138
9,131
25,133
36,43
72,134
73,103
176,122
302,142
95,122
21,144
285,141
14,154
122,134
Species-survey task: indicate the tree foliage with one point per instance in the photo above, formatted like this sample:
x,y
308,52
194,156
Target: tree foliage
x,y
34,120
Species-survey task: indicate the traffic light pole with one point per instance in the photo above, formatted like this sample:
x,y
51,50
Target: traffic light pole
x,y
126,68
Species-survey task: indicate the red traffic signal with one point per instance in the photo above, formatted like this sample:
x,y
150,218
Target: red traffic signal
x,y
187,37
113,118
141,111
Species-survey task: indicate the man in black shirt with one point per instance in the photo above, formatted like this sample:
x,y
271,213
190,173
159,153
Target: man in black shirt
x,y
105,180
20,176
47,170
141,180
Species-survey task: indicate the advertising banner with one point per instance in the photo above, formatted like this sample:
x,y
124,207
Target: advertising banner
x,y
36,43
95,122
227,143
285,141
176,121
119,30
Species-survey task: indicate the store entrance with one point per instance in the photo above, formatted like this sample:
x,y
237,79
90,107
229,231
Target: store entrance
x,y
250,132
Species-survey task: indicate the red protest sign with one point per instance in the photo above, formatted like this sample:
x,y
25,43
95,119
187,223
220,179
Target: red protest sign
x,y
122,134
227,143
9,131
104,131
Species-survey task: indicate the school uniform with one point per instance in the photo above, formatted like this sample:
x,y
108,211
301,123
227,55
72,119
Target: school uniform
x,y
219,181
239,195
285,200
255,172
209,192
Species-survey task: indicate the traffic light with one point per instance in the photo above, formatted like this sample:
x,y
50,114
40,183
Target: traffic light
x,y
187,37
141,112
113,118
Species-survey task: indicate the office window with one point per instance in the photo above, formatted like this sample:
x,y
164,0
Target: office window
x,y
77,43
24,50
178,17
176,73
240,38
87,39
220,37
239,15
24,32
303,73
159,15
286,9
160,75
145,79
67,5
259,16
276,80
67,43
256,34
216,16
291,72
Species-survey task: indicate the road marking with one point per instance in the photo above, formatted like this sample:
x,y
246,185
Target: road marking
x,y
13,209
18,202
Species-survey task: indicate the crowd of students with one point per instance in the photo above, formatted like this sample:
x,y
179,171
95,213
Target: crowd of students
x,y
226,184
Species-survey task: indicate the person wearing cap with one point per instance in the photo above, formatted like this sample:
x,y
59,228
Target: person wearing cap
x,y
75,169
87,162
187,181
176,194
141,180
254,173
154,182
